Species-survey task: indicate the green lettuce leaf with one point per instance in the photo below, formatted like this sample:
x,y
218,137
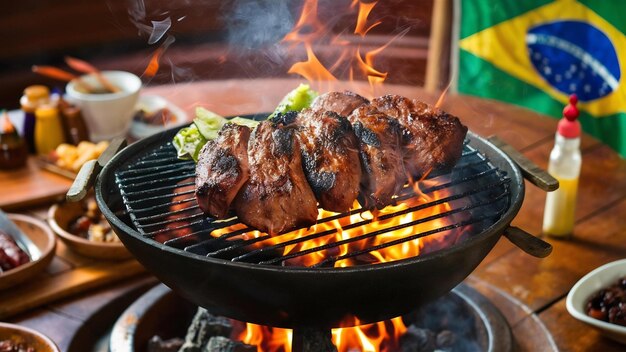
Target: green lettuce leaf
x,y
244,122
296,100
208,123
188,142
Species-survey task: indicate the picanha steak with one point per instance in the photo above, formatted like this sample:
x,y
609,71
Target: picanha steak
x,y
342,148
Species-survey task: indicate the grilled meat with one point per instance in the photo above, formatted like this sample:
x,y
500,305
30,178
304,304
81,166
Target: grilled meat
x,y
222,169
431,138
276,198
343,103
330,156
380,154
339,148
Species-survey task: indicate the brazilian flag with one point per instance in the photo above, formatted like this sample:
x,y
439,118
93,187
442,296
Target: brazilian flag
x,y
535,53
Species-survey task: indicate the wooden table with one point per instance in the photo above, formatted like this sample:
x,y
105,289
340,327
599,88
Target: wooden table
x,y
538,285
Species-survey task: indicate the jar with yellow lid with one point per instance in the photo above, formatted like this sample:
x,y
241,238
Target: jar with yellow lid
x,y
48,129
33,97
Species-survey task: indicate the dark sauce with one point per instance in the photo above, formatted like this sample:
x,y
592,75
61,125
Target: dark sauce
x,y
609,304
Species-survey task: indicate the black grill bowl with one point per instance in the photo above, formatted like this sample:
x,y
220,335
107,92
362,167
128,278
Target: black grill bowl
x,y
295,297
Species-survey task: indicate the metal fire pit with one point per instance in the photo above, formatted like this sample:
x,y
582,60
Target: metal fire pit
x,y
135,192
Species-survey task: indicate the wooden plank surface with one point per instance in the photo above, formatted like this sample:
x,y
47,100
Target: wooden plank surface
x,y
29,186
599,234
76,276
573,335
65,320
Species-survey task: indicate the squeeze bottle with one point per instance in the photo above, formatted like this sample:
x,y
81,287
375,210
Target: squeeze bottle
x,y
564,165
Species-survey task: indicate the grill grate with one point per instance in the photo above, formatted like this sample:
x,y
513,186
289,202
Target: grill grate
x,y
158,192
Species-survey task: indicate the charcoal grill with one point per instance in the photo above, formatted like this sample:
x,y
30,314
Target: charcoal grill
x,y
146,194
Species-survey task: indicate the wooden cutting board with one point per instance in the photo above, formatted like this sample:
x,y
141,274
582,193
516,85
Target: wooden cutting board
x,y
30,185
67,275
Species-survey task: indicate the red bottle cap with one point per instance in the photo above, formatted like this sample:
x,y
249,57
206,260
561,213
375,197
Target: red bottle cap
x,y
569,127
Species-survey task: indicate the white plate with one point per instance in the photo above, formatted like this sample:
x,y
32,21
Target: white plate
x,y
151,103
591,283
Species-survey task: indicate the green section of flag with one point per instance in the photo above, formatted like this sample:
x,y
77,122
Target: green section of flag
x,y
612,11
473,11
481,74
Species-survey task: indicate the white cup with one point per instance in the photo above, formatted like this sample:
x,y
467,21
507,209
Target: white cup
x,y
107,115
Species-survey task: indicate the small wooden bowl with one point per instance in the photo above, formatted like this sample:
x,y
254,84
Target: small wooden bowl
x,y
59,218
42,238
29,337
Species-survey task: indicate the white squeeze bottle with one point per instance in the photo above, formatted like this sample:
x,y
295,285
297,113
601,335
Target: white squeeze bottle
x,y
565,162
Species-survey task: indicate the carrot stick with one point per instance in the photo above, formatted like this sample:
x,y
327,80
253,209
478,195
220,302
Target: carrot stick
x,y
61,75
85,67
53,72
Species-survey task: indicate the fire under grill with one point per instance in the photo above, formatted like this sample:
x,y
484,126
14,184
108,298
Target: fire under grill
x,y
157,190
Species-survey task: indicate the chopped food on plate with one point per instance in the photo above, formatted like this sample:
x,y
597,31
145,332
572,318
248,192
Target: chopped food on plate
x,y
92,225
72,158
159,117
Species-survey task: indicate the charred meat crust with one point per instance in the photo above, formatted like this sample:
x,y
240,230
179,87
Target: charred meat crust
x,y
342,103
339,148
222,170
276,198
431,138
330,158
381,155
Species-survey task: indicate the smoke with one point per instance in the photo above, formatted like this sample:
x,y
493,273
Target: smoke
x,y
254,24
159,28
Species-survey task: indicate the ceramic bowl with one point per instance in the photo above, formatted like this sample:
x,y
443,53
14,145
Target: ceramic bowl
x,y
27,336
44,242
62,214
591,283
107,115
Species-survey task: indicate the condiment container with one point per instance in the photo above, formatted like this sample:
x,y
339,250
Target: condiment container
x,y
565,163
74,127
48,129
13,149
34,96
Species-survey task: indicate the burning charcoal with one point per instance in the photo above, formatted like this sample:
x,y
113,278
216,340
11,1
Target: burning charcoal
x,y
202,328
224,344
313,340
156,344
445,339
416,339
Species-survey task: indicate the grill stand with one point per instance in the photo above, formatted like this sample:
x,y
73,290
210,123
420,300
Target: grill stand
x,y
312,340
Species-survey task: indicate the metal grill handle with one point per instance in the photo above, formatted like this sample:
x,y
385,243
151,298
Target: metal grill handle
x,y
538,177
90,170
533,173
528,243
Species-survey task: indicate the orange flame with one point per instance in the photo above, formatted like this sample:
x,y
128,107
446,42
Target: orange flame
x,y
309,31
153,66
312,69
381,336
361,22
393,230
442,97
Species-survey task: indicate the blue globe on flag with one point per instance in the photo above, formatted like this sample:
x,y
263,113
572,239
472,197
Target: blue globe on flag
x,y
574,57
